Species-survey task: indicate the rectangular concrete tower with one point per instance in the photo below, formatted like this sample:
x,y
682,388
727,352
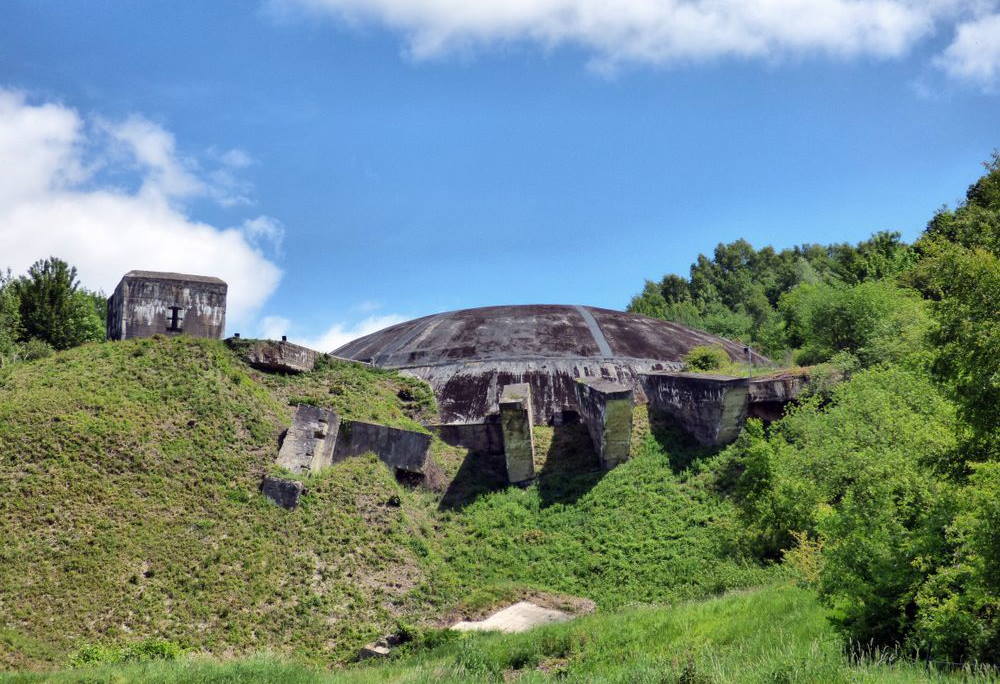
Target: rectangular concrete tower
x,y
516,424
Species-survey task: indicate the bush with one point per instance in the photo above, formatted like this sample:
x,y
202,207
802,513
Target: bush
x,y
877,322
34,349
142,651
705,358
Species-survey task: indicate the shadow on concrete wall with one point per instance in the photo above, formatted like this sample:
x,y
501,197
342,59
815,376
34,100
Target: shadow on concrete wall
x,y
681,448
480,473
566,468
569,466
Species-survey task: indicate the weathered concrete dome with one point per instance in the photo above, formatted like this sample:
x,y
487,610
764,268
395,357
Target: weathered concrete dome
x,y
468,356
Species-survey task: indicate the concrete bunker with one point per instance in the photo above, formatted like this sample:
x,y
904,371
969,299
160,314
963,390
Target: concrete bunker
x,y
577,363
147,303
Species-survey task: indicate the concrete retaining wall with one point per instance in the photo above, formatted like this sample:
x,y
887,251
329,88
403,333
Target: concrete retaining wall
x,y
403,449
469,392
712,408
480,438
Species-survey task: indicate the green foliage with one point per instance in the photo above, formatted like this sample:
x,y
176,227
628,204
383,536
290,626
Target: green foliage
x,y
706,358
736,293
137,652
966,338
959,603
53,309
886,422
10,317
876,322
34,349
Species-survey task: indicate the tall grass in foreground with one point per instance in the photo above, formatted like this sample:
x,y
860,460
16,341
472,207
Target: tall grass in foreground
x,y
775,634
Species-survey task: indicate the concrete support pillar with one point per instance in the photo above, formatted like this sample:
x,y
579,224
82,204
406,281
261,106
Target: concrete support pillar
x,y
606,409
516,425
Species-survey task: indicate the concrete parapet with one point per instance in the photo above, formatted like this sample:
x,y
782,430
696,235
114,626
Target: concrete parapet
x,y
516,426
712,408
606,410
401,449
273,355
309,442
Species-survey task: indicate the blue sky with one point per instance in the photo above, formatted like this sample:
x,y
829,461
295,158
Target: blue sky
x,y
348,163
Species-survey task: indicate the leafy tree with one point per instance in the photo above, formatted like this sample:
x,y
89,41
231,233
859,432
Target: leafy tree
x,y
736,292
54,309
876,321
10,317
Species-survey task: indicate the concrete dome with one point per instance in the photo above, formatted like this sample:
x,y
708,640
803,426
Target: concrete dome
x,y
467,356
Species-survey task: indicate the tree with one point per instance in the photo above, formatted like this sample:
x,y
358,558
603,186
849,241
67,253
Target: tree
x,y
54,309
10,316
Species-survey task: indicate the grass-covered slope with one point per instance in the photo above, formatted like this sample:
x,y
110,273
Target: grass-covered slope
x,y
775,634
129,508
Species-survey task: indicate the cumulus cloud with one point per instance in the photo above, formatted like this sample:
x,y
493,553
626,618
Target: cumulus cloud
x,y
264,231
56,199
658,31
974,54
337,335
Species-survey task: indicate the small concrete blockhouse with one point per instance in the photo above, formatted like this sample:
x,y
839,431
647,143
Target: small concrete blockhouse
x,y
149,302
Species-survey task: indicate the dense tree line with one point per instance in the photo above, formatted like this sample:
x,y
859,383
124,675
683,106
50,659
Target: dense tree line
x,y
45,310
884,489
779,300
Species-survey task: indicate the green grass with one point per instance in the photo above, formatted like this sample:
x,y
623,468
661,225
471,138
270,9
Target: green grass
x,y
129,509
774,634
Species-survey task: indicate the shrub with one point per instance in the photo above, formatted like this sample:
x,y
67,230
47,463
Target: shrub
x,y
705,358
34,349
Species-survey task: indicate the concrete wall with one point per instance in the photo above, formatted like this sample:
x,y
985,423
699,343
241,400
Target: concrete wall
x,y
403,449
310,441
147,303
712,408
468,392
606,410
516,425
480,438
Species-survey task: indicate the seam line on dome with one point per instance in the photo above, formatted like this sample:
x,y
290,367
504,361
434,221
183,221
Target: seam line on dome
x,y
595,331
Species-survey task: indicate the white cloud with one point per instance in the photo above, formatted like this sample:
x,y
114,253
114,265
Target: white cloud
x,y
337,335
264,231
974,54
658,31
54,203
273,327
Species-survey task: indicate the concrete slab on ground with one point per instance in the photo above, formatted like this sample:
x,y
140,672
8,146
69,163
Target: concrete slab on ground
x,y
519,617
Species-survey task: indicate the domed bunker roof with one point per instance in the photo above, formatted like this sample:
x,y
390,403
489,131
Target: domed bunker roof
x,y
514,333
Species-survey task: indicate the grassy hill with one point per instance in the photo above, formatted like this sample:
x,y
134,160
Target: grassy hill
x,y
130,511
774,634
